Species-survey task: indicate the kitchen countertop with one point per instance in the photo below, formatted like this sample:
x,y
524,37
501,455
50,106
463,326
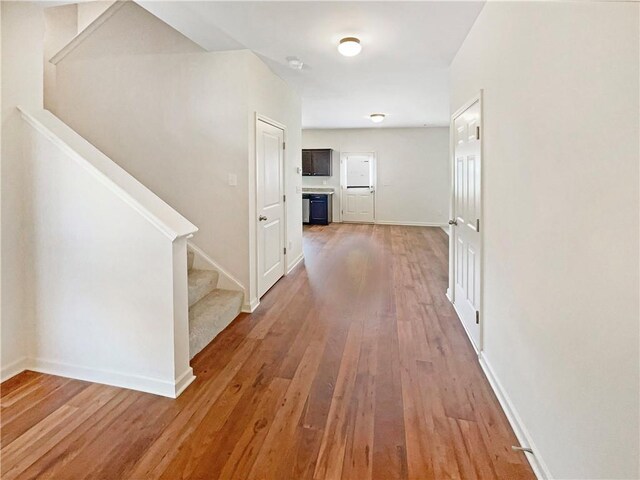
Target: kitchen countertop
x,y
318,190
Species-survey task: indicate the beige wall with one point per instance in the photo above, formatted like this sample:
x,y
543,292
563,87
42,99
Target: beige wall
x,y
412,169
108,275
22,76
271,97
560,176
179,120
61,25
87,12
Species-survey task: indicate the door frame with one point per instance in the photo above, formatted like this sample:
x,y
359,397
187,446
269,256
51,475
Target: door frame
x,y
253,214
477,98
374,175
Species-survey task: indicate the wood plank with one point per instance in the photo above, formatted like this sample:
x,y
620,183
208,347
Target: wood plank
x,y
354,367
245,451
334,441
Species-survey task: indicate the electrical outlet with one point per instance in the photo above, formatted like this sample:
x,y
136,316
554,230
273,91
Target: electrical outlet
x,y
233,179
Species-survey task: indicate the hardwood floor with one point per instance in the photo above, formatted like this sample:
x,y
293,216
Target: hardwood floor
x,y
354,366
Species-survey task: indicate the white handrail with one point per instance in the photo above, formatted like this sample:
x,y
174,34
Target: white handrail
x,y
114,177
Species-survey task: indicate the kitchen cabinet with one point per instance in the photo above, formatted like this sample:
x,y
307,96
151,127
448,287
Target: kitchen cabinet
x,y
317,162
320,208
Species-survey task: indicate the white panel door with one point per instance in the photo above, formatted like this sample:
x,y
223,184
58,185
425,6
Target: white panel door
x,y
270,205
466,223
358,187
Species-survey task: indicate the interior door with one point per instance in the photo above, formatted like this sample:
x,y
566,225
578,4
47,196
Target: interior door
x,y
466,223
270,205
358,187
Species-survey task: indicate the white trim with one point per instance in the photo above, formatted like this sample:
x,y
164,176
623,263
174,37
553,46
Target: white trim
x,y
295,263
343,178
140,383
452,270
84,34
14,368
263,118
250,307
110,174
538,465
225,279
409,224
475,347
184,381
445,229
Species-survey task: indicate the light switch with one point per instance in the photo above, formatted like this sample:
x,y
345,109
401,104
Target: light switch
x,y
233,179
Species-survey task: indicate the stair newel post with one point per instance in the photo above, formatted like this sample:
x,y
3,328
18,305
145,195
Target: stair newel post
x,y
182,369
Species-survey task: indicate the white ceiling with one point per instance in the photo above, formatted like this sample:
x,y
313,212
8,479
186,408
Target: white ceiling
x,y
402,71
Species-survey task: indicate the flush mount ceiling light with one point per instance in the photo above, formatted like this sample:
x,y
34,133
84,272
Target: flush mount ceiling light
x,y
295,63
377,117
349,46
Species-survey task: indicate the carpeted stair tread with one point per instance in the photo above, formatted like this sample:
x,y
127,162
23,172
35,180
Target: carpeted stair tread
x,y
201,284
211,315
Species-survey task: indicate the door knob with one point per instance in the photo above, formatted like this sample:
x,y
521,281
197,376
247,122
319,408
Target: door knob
x,y
453,222
262,218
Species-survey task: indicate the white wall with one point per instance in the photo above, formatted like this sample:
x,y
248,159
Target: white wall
x,y
61,25
87,12
271,97
108,288
412,168
560,212
181,121
22,76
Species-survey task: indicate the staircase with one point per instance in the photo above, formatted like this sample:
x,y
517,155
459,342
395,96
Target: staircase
x,y
211,309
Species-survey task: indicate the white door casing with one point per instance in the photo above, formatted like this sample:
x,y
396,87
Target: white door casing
x,y
358,183
465,231
270,204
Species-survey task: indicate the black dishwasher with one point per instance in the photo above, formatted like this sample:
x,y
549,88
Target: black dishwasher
x,y
320,208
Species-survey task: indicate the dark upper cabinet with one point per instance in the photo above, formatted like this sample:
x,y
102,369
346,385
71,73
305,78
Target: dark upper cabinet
x,y
317,162
307,162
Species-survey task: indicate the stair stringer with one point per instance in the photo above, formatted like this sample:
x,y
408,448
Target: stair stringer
x,y
226,281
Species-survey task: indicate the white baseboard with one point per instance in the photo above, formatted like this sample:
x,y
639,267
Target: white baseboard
x,y
445,228
251,306
225,279
409,224
184,381
475,347
13,368
165,388
538,465
295,263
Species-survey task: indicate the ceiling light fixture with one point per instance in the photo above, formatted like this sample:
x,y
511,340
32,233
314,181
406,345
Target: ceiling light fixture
x,y
349,46
377,117
295,63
